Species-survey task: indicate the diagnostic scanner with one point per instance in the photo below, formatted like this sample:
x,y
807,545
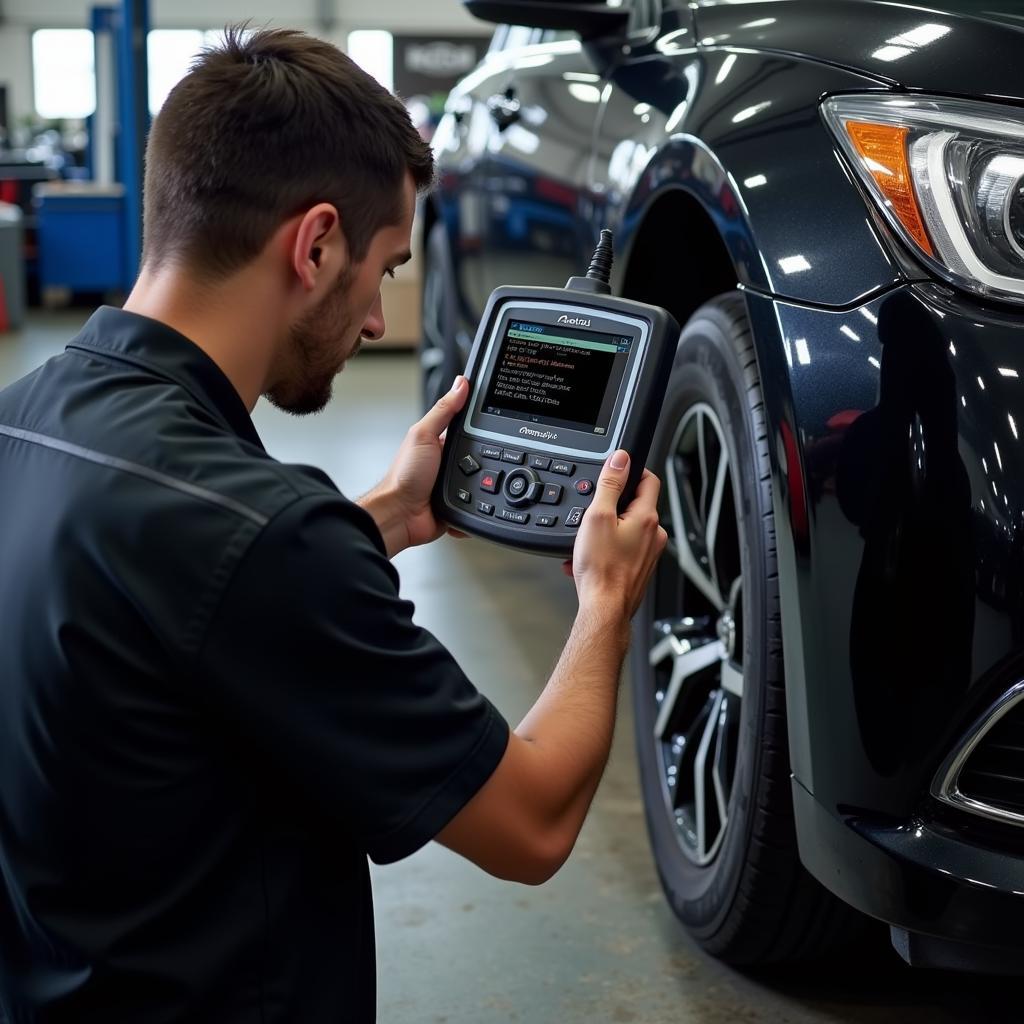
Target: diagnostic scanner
x,y
560,378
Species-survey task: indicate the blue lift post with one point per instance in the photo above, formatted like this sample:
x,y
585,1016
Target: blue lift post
x,y
90,235
133,97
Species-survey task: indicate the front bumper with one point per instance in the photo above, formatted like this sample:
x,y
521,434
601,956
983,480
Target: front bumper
x,y
953,901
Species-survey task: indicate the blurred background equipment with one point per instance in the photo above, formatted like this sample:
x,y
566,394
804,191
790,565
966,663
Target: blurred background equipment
x,y
12,273
80,83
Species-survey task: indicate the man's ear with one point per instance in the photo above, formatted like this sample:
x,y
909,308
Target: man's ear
x,y
319,250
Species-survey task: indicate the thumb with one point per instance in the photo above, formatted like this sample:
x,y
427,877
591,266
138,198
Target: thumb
x,y
444,409
612,481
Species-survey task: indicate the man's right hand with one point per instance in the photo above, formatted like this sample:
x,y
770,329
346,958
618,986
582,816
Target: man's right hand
x,y
615,555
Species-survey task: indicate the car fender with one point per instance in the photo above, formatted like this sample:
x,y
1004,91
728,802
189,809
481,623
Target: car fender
x,y
779,226
741,132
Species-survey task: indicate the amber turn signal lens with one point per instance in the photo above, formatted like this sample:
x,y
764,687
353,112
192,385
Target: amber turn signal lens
x,y
883,148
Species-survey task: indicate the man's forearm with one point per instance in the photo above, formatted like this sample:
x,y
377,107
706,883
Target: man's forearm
x,y
571,724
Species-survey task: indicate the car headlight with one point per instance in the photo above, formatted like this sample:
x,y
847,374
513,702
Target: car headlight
x,y
949,177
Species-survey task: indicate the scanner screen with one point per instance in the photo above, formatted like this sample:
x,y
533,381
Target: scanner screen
x,y
558,375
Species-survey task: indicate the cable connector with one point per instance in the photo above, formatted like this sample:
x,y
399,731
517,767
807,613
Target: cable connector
x,y
599,272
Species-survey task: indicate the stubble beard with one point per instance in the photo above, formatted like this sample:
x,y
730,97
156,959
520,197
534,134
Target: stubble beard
x,y
316,358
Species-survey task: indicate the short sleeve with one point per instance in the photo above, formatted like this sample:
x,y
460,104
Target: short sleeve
x,y
314,662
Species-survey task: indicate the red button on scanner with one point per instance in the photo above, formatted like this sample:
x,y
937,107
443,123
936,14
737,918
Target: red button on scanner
x,y
584,486
489,482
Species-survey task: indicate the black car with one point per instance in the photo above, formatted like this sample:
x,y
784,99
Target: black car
x,y
827,672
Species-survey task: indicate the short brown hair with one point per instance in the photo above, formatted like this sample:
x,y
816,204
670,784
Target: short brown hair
x,y
265,125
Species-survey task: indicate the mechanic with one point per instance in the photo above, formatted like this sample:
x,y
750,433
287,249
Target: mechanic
x,y
214,704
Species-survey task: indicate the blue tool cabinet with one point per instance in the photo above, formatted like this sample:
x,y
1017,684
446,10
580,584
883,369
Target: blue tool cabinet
x,y
81,237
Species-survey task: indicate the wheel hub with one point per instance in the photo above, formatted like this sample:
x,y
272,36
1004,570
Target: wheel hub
x,y
726,628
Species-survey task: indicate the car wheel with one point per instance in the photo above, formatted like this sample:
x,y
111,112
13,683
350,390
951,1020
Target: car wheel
x,y
440,357
707,667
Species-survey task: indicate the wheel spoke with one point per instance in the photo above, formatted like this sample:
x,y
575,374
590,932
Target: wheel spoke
x,y
687,746
714,515
699,778
732,679
702,455
687,661
721,744
677,636
685,557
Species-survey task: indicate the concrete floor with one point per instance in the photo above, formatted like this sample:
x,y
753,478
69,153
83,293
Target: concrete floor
x,y
598,942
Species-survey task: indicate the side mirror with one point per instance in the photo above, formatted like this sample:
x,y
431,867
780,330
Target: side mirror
x,y
590,20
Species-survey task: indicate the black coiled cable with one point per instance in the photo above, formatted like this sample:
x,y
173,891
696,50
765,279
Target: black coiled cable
x,y
600,268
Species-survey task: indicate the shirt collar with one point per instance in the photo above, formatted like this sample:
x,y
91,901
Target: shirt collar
x,y
161,350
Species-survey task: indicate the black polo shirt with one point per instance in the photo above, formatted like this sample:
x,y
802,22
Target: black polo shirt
x,y
213,704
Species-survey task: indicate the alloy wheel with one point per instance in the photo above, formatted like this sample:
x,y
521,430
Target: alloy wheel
x,y
696,646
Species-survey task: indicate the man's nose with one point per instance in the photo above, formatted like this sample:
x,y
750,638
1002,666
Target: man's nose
x,y
373,325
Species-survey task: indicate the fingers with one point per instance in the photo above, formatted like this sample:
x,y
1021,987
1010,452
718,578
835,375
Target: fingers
x,y
646,498
612,481
444,409
567,568
661,541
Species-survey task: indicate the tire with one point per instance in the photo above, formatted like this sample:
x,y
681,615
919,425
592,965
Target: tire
x,y
440,356
711,618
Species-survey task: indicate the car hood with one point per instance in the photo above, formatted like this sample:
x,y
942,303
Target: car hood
x,y
958,48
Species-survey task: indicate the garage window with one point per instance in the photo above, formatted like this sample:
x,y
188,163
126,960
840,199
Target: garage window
x,y
170,52
374,51
63,72
64,69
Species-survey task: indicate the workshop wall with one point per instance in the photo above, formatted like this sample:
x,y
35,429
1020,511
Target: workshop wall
x,y
16,68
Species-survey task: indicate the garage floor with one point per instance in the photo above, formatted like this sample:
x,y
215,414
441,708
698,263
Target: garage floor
x,y
597,943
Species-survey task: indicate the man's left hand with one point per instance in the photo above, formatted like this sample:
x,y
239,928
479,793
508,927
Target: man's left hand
x,y
400,503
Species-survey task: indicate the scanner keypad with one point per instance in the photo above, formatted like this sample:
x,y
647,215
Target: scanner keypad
x,y
565,490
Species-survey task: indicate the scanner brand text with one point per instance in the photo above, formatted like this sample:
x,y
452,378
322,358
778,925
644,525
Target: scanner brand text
x,y
576,321
544,435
